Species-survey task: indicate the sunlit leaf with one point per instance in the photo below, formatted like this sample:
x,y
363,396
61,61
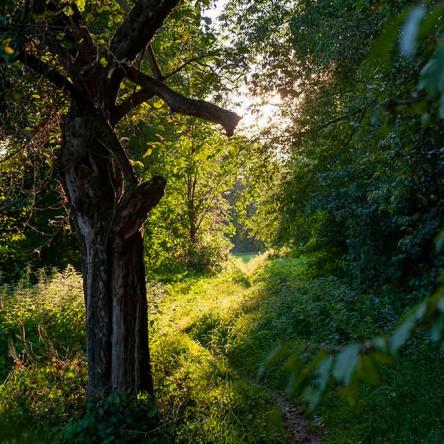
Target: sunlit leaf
x,y
401,334
410,30
158,104
81,5
345,363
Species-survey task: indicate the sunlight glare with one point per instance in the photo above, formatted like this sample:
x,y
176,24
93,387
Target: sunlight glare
x,y
256,112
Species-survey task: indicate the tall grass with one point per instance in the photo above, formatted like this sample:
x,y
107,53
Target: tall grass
x,y
199,397
42,363
209,338
242,315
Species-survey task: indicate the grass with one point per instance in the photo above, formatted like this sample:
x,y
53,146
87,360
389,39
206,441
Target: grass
x,y
200,397
193,327
247,256
242,315
209,338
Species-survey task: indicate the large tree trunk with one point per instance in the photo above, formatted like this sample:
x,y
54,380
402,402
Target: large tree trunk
x,y
108,204
108,222
129,343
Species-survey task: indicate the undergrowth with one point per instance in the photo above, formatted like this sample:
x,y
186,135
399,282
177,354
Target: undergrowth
x,y
199,397
209,339
242,315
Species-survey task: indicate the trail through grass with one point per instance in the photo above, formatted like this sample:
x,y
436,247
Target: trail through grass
x,y
247,256
205,327
193,329
239,316
209,337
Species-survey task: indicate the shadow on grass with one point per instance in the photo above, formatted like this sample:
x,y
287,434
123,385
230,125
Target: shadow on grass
x,y
290,303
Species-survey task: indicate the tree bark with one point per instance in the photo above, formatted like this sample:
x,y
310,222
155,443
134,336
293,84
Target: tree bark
x,y
108,220
192,218
131,370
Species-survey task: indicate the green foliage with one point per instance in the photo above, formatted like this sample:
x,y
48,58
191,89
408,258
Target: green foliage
x,y
210,336
245,257
44,371
42,353
195,330
191,223
354,182
190,228
205,401
362,186
34,225
200,397
41,398
357,361
42,320
288,301
116,419
364,190
43,366
313,323
393,410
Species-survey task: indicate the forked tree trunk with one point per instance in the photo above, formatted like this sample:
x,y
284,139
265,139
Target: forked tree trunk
x,y
108,225
108,204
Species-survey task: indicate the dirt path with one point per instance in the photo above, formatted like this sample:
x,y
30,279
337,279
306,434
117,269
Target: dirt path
x,y
224,298
295,422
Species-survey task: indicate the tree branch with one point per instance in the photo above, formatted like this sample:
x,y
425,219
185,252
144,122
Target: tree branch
x,y
135,205
52,75
120,111
185,105
184,65
80,54
106,135
109,140
155,70
325,125
142,22
136,99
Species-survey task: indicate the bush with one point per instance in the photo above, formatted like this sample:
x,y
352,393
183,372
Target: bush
x,y
41,322
42,344
116,419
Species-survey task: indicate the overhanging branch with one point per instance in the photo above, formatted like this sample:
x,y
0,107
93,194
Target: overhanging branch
x,y
184,105
136,99
118,112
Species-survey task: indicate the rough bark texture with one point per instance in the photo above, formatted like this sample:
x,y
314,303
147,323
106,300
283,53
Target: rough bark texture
x,y
112,257
130,369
